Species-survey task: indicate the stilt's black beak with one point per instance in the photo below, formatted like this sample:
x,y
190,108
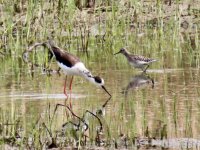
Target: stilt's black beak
x,y
106,90
117,53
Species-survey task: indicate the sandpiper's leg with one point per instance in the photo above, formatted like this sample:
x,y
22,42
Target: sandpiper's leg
x,y
146,68
70,88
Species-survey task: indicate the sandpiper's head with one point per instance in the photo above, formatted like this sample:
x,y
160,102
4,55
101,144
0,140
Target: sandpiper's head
x,y
122,50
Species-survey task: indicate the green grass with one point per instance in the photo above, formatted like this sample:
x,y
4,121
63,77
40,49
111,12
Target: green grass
x,y
147,28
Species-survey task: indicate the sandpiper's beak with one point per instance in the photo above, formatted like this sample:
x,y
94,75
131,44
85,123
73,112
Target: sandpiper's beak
x,y
117,53
106,90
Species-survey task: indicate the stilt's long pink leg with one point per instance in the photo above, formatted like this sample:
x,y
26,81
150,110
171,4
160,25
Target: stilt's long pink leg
x,y
70,88
65,90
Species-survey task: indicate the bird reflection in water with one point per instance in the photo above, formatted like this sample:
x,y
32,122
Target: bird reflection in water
x,y
139,81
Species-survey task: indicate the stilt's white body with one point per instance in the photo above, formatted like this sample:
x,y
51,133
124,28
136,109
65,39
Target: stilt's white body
x,y
78,69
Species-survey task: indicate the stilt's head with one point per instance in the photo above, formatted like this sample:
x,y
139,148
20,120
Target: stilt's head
x,y
122,51
99,82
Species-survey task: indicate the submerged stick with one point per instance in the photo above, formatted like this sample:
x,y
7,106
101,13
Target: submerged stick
x,y
25,55
30,49
101,125
73,114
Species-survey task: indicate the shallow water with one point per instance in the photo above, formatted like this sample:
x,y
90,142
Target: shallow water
x,y
156,110
161,98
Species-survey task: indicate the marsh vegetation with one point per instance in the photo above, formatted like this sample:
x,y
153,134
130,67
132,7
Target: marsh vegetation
x,y
157,110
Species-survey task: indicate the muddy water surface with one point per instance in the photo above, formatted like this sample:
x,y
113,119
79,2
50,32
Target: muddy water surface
x,y
161,104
